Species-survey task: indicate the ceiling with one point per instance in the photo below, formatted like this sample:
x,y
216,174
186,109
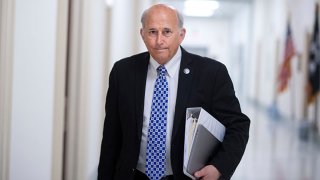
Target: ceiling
x,y
228,8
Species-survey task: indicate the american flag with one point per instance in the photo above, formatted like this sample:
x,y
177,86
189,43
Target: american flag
x,y
285,69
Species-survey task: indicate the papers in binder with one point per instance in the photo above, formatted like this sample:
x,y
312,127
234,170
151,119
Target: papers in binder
x,y
203,135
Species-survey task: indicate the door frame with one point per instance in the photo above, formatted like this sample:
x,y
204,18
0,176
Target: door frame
x,y
60,89
7,11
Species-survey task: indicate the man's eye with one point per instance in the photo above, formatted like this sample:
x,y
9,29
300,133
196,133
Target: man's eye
x,y
153,32
167,33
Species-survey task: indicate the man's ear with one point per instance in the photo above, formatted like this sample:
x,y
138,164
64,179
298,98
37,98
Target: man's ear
x,y
182,33
141,33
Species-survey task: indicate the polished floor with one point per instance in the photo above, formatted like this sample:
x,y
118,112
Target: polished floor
x,y
276,151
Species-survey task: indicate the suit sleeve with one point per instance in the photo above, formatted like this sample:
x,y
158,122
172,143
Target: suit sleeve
x,y
227,109
111,140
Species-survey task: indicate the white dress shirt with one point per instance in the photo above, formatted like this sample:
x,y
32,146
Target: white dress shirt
x,y
172,76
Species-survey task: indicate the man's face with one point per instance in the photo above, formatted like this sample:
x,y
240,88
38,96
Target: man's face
x,y
161,33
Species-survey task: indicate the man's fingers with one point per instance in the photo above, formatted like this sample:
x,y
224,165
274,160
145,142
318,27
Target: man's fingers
x,y
201,173
209,172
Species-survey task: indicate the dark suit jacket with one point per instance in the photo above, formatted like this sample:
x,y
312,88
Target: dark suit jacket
x,y
208,85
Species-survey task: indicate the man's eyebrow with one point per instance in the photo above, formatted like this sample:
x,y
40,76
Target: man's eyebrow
x,y
151,28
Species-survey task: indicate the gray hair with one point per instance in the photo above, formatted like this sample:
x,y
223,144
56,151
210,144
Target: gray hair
x,y
180,17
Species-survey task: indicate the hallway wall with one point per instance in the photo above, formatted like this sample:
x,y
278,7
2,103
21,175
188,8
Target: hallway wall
x,y
270,18
214,37
33,89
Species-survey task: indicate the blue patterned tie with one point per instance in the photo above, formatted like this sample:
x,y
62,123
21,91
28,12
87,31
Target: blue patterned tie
x,y
156,144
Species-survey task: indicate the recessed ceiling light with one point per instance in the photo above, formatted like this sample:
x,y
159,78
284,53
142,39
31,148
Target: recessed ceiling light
x,y
109,3
200,8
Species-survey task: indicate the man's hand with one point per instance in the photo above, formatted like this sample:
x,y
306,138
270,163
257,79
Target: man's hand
x,y
208,173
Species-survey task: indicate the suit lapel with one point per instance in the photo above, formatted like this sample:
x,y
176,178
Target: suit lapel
x,y
184,84
141,69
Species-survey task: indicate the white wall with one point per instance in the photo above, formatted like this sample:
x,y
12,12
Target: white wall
x,y
215,36
97,86
124,29
241,43
270,27
228,41
33,85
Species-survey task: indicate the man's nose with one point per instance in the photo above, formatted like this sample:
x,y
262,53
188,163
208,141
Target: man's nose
x,y
160,38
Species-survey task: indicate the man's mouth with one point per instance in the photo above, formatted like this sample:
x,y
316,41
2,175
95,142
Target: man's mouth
x,y
160,49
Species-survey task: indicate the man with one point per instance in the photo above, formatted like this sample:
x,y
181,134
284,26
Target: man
x,y
187,80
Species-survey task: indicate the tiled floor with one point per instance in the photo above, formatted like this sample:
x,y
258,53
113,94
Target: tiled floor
x,y
275,151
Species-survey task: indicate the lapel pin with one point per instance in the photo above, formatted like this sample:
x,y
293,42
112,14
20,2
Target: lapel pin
x,y
186,71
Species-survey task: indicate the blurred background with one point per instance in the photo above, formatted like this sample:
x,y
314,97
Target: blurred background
x,y
56,55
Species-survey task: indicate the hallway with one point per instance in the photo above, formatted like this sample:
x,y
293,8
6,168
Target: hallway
x,y
56,56
275,151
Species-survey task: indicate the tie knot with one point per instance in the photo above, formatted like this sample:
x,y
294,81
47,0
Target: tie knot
x,y
162,71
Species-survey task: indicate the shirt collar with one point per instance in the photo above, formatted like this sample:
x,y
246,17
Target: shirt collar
x,y
171,66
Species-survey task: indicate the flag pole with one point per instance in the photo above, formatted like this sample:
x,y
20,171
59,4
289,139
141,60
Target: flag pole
x,y
304,125
315,88
316,113
316,116
292,87
317,121
273,109
317,108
